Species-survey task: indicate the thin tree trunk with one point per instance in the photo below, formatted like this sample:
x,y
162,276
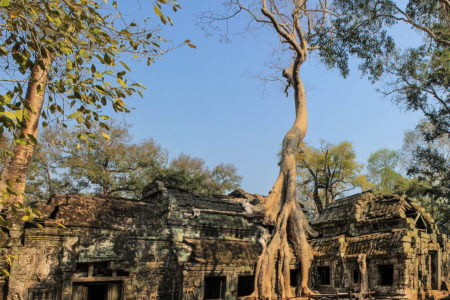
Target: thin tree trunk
x,y
48,175
317,200
14,173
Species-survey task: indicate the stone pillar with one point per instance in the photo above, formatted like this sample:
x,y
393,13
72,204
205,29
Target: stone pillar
x,y
362,265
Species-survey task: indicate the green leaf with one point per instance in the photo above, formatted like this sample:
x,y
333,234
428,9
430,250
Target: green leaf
x,y
157,10
83,53
105,135
11,115
125,66
125,32
74,115
66,50
108,59
32,138
122,83
4,3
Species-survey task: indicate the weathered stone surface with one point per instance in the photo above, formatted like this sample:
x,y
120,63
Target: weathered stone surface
x,y
159,247
173,244
405,254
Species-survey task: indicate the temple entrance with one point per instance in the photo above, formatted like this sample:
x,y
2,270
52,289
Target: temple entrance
x,y
324,275
215,287
386,274
245,285
97,291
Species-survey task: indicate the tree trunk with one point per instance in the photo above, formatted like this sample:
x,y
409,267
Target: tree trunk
x,y
317,200
282,211
14,173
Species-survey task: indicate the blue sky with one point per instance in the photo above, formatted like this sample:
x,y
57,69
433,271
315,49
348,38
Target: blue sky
x,y
205,103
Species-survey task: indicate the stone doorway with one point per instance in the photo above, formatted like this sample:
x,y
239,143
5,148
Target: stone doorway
x,y
215,287
97,291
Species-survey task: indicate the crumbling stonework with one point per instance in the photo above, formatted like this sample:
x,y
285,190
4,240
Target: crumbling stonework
x,y
387,244
173,244
163,246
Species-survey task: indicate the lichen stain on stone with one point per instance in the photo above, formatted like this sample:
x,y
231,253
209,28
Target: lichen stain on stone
x,y
164,245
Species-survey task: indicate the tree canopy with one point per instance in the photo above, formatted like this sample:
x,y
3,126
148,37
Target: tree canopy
x,y
427,162
418,75
383,171
63,163
64,61
328,172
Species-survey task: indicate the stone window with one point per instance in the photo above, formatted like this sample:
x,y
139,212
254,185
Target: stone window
x,y
386,274
245,285
324,275
215,287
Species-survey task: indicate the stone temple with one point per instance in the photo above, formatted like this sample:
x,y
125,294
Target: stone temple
x,y
173,244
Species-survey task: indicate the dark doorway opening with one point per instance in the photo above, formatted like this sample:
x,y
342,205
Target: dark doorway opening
x,y
97,292
434,270
324,275
3,292
295,278
215,287
386,273
356,276
245,285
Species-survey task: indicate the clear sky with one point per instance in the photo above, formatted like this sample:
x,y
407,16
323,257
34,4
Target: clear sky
x,y
205,103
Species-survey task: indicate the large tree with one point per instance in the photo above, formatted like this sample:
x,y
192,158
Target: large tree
x,y
116,166
191,173
302,27
418,74
113,166
62,58
328,172
428,163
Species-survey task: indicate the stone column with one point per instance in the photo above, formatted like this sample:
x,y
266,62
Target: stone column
x,y
362,265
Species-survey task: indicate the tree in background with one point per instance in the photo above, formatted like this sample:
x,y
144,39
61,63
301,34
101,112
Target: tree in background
x,y
45,176
112,166
328,172
63,164
418,76
428,163
420,170
419,80
382,169
192,174
62,58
